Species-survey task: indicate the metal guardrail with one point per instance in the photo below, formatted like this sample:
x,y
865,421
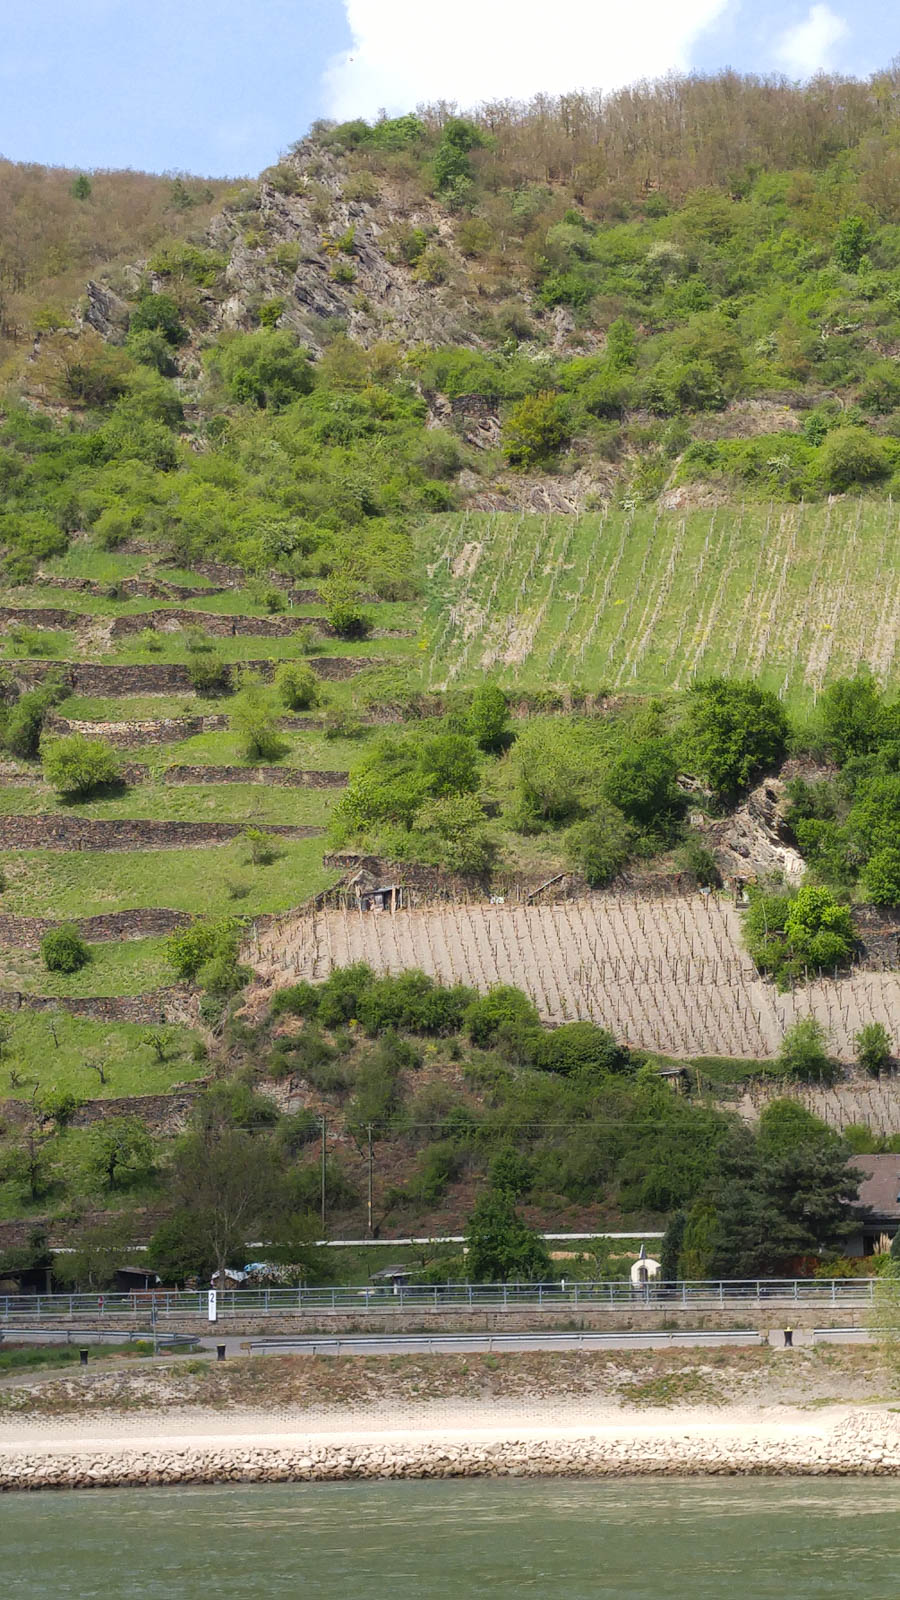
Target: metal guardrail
x,y
335,1344
560,1297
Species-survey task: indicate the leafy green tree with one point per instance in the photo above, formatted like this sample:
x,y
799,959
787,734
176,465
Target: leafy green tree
x,y
785,1125
448,765
343,607
76,766
97,1250
488,718
733,732
502,1007
817,929
226,1181
119,1152
209,675
451,158
191,949
175,1252
82,188
873,1049
455,834
852,714
64,950
851,456
535,430
699,1242
579,1048
158,313
641,783
22,733
621,345
500,1246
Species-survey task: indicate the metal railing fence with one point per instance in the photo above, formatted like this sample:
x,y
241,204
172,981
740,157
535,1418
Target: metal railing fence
x,y
560,1296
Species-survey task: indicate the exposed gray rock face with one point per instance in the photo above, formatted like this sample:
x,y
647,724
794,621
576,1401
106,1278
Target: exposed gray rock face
x,y
106,313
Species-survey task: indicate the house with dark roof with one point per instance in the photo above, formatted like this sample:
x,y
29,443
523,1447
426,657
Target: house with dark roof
x,y
878,1204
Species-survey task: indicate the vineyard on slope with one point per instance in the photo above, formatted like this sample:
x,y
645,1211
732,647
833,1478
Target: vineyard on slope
x,y
641,600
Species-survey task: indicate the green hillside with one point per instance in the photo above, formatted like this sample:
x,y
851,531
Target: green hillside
x,y
504,496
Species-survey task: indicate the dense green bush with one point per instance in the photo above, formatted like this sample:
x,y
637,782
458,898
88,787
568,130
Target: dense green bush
x,y
794,935
297,686
64,950
733,732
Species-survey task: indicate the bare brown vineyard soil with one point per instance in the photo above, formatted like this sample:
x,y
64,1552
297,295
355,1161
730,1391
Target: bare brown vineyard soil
x,y
668,974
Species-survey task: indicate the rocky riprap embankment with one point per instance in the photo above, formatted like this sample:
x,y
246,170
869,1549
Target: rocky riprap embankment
x,y
868,1444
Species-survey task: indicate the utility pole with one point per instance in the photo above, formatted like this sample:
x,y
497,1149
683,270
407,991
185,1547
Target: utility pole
x,y
369,1130
324,1174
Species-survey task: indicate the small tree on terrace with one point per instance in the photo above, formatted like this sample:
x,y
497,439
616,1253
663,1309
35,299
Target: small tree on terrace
x,y
120,1151
803,1054
253,719
76,766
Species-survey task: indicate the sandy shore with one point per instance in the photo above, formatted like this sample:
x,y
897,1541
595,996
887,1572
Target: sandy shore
x,y
256,1446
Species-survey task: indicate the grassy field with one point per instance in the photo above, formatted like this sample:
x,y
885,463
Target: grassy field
x,y
56,1052
632,601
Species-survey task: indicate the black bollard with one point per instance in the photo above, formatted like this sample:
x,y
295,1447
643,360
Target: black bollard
x,y
82,1356
220,1352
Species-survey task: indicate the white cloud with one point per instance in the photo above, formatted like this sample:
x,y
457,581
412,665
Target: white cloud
x,y
808,47
409,52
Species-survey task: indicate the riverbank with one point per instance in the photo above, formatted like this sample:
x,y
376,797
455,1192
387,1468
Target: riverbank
x,y
267,1449
812,1411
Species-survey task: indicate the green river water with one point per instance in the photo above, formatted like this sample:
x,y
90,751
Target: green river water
x,y
732,1539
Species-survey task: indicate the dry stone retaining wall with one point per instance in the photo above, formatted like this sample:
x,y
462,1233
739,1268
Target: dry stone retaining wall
x,y
160,1005
123,833
212,622
160,677
26,933
280,777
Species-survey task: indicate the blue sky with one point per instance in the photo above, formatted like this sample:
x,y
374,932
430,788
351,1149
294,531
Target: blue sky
x,y
220,86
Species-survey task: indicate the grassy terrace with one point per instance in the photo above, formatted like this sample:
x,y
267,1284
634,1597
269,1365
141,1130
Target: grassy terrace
x,y
65,1045
131,966
253,803
215,881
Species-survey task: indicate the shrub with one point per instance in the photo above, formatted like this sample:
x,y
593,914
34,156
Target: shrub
x,y
158,313
488,717
77,766
880,877
873,1049
190,949
64,950
641,784
733,732
535,430
851,456
600,845
266,369
22,734
343,609
209,675
503,1007
297,686
791,935
803,1054
252,718
578,1048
